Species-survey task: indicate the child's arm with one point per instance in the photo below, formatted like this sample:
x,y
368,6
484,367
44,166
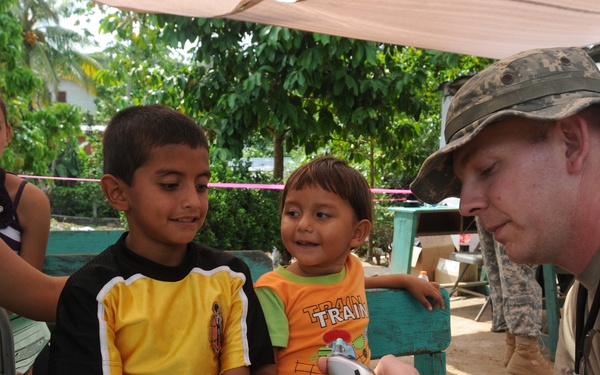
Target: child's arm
x,y
264,370
237,371
34,217
420,289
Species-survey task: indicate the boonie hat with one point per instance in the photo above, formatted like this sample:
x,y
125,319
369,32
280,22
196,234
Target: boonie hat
x,y
539,84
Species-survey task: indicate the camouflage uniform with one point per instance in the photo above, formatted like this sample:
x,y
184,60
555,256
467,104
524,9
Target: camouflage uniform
x,y
516,294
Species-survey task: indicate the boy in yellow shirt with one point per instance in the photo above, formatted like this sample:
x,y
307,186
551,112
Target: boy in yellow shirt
x,y
155,302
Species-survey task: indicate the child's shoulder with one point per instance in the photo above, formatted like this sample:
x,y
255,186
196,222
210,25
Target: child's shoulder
x,y
106,259
97,272
209,257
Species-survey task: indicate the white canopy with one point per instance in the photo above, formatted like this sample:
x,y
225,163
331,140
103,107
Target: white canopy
x,y
485,28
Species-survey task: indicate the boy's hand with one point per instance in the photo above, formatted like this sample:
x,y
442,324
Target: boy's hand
x,y
418,288
421,289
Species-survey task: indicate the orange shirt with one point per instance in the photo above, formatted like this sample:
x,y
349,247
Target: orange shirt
x,y
305,314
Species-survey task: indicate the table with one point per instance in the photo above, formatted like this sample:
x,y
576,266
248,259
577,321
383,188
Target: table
x,y
410,222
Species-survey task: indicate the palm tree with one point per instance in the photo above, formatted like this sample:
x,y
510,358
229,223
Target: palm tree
x,y
51,50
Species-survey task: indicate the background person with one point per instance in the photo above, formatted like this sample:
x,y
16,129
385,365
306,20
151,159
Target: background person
x,y
24,215
24,208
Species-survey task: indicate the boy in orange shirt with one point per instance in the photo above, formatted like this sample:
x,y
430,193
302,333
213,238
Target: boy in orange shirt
x,y
327,211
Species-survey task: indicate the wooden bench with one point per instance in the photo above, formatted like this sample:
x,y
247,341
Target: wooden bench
x,y
399,325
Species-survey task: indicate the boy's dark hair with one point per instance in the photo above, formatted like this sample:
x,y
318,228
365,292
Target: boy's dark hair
x,y
335,176
133,132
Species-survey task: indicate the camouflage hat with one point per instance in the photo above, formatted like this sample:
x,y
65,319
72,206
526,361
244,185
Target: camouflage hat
x,y
540,84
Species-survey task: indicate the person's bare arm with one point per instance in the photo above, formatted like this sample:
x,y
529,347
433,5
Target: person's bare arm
x,y
267,369
25,290
420,289
238,371
34,217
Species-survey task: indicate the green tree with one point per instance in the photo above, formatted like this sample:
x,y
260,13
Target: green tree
x,y
15,79
140,68
51,50
241,219
81,198
38,135
393,158
296,88
249,83
306,89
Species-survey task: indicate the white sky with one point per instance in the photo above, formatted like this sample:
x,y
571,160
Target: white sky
x,y
104,39
92,26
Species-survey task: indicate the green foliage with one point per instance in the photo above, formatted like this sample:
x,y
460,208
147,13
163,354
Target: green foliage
x,y
40,135
50,50
311,90
80,198
140,68
250,80
383,227
70,162
16,81
382,230
83,199
241,219
392,157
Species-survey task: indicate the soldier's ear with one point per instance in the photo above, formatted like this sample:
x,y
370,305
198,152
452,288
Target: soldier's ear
x,y
574,135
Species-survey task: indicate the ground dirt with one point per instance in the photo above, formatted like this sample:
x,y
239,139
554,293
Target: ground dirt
x,y
474,349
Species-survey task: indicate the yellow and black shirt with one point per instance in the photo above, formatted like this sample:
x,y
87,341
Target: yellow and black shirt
x,y
124,314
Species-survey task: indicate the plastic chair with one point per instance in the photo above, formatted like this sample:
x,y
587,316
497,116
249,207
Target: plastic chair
x,y
7,348
21,341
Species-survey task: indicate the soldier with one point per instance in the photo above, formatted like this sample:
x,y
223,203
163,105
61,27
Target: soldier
x,y
523,154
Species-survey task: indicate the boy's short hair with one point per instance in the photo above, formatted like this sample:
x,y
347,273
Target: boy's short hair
x,y
133,132
335,176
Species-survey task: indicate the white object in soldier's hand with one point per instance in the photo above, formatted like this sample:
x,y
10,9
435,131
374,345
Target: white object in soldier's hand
x,y
340,363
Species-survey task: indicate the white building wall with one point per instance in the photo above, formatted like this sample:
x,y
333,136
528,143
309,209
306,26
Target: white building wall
x,y
77,95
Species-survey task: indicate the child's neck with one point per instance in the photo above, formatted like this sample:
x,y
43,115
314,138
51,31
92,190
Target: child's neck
x,y
315,271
